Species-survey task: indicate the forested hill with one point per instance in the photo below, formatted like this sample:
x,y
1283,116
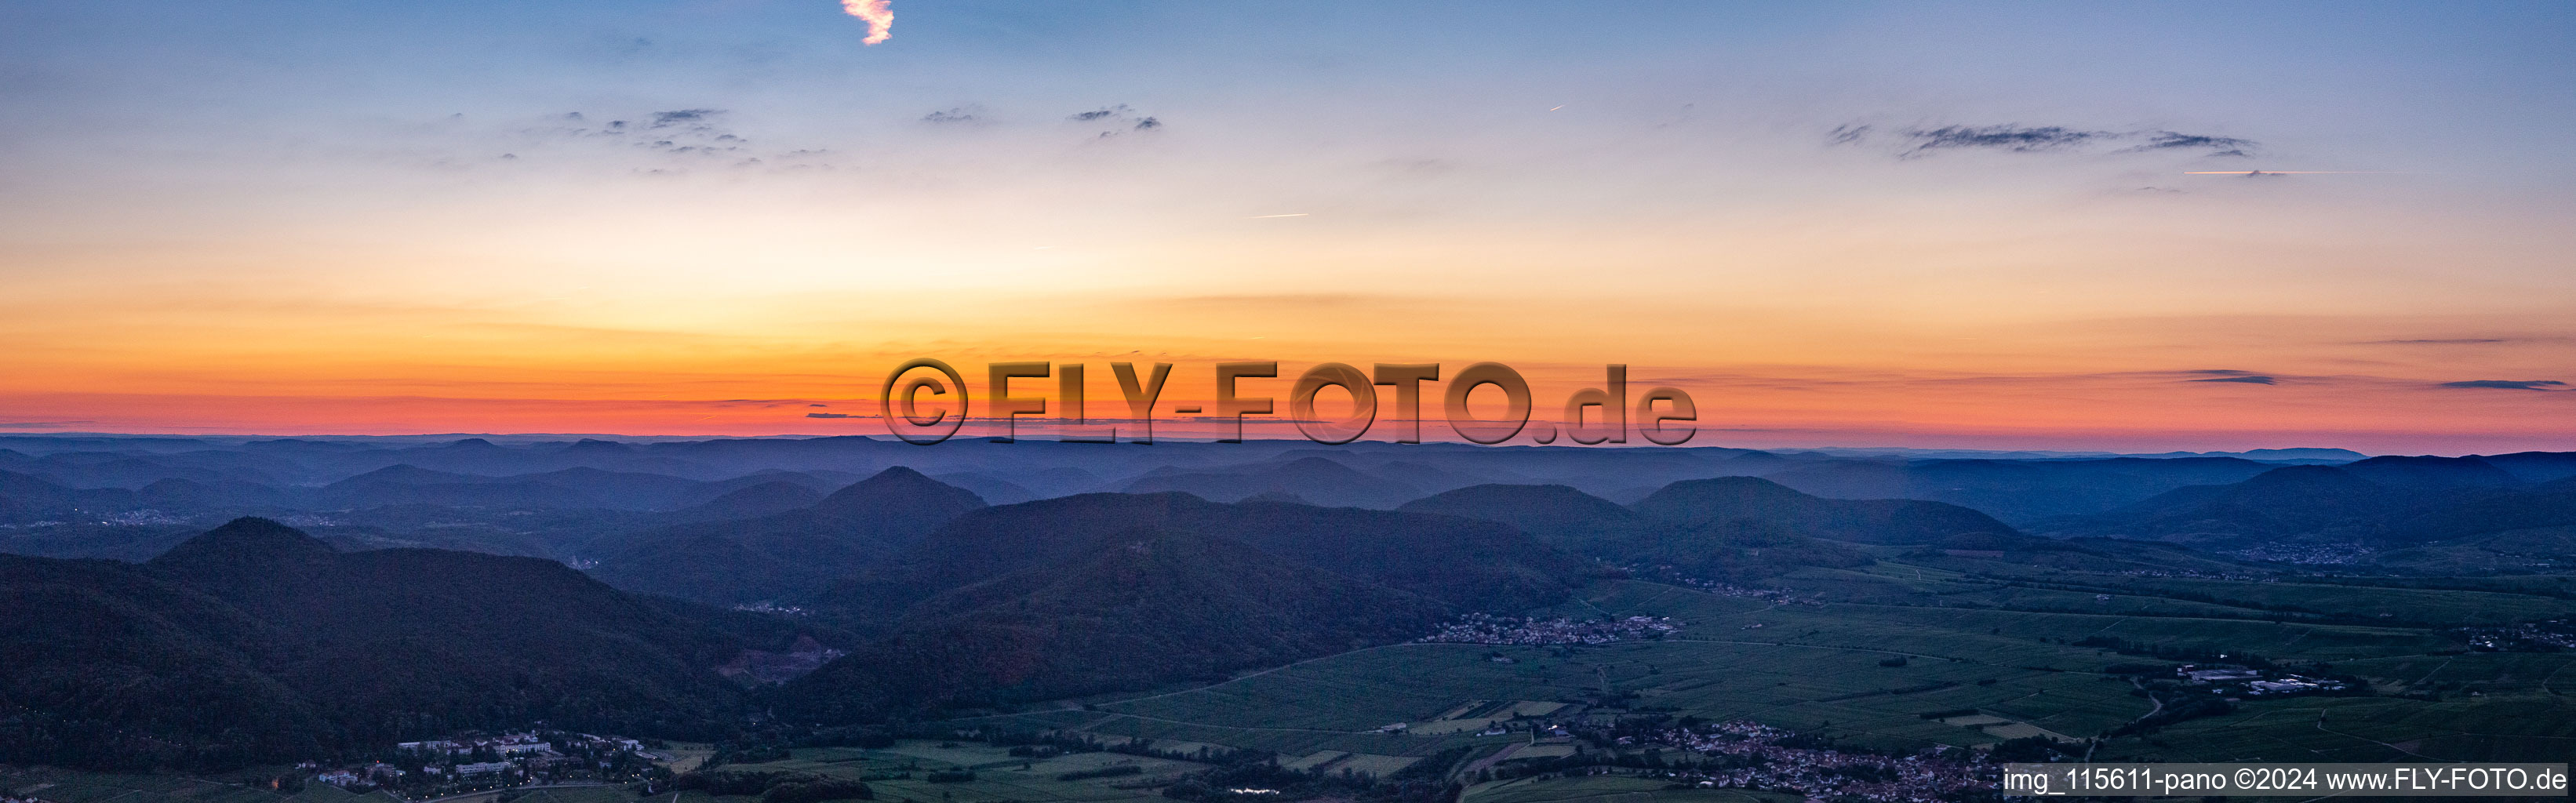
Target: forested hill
x,y
255,642
1139,609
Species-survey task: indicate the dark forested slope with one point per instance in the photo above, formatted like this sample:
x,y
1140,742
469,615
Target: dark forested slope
x,y
256,642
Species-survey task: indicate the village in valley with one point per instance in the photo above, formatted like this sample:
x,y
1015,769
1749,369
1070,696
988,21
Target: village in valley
x,y
2250,682
1749,755
471,763
1478,628
2555,635
1541,743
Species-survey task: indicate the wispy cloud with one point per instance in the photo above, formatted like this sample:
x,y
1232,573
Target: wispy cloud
x,y
879,15
1915,143
671,141
687,132
2249,379
2509,384
827,415
2174,140
969,113
1117,119
1998,137
683,117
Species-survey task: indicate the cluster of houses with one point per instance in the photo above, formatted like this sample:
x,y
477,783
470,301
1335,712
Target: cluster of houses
x,y
1477,628
2252,682
491,761
1777,596
2550,636
2196,574
2306,554
1821,774
376,774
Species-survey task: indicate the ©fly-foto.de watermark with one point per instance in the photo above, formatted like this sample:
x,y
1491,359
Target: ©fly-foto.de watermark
x,y
925,401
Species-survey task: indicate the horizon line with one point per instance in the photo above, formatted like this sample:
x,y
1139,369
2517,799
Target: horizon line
x,y
548,437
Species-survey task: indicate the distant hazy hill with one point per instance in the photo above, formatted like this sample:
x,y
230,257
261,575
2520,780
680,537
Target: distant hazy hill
x,y
791,554
2486,511
1472,564
2383,501
1096,592
1558,513
768,498
1736,544
567,488
993,490
1315,479
1869,521
582,499
102,466
1133,609
176,494
2536,466
26,498
2431,472
408,484
256,642
1025,483
722,519
480,456
2292,500
2016,491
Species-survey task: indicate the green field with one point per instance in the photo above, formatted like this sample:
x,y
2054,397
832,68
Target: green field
x,y
2034,588
1988,652
2003,651
1006,780
1614,788
2504,728
1993,641
999,776
84,787
612,793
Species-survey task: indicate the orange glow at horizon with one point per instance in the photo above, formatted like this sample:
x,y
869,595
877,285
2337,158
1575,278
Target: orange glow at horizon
x,y
718,218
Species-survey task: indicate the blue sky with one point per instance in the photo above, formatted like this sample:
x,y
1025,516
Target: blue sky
x,y
623,199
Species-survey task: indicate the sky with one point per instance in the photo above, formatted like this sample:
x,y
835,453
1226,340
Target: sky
x,y
2014,226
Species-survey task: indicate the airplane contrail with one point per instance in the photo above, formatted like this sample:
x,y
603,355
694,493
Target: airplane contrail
x,y
878,13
